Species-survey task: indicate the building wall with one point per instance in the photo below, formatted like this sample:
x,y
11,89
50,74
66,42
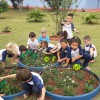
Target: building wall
x,y
86,4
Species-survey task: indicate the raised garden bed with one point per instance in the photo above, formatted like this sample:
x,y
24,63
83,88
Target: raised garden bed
x,y
10,87
63,84
54,38
36,60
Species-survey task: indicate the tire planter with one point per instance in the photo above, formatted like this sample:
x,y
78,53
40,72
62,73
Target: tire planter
x,y
11,97
87,96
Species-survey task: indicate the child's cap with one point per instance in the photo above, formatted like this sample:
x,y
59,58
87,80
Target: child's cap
x,y
43,30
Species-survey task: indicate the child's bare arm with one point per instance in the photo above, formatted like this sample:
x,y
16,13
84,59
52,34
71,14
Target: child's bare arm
x,y
3,64
75,58
8,76
76,30
28,46
42,94
91,51
58,55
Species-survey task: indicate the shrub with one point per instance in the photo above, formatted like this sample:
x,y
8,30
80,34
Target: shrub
x,y
6,29
36,16
3,6
90,18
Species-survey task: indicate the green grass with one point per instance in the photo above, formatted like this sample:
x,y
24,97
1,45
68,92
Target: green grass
x,y
20,28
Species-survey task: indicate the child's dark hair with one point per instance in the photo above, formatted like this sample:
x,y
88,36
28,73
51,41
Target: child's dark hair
x,y
64,40
45,43
64,34
87,37
70,14
76,40
32,35
22,48
59,34
23,75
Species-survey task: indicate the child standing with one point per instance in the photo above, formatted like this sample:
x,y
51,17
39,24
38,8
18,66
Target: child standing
x,y
32,82
90,51
64,53
12,51
43,37
32,41
69,26
76,50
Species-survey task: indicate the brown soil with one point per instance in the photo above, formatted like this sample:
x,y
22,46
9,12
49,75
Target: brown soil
x,y
5,32
78,90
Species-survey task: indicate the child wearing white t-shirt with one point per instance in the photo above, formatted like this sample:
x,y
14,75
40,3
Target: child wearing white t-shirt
x,y
32,41
69,26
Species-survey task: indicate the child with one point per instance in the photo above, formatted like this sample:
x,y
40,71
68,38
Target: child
x,y
69,26
90,51
1,94
12,50
22,48
46,47
32,41
43,37
32,82
62,35
76,50
64,53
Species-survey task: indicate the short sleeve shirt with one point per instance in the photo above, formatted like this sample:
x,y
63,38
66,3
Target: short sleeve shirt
x,y
32,44
36,80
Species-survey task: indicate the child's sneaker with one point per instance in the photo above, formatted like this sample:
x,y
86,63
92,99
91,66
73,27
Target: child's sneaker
x,y
92,60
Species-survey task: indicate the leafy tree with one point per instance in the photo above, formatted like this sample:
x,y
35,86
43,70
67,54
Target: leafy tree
x,y
3,6
17,4
60,8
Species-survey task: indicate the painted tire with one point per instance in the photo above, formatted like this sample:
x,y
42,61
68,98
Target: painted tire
x,y
33,68
11,97
87,96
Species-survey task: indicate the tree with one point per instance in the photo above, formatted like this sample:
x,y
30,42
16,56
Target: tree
x,y
3,6
17,4
61,8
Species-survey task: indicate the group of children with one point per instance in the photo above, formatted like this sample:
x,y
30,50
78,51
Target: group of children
x,y
68,51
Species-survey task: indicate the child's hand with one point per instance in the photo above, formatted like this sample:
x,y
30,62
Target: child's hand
x,y
73,59
51,51
1,78
39,98
59,60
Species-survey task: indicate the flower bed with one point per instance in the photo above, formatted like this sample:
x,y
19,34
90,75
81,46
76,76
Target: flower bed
x,y
10,87
36,59
69,83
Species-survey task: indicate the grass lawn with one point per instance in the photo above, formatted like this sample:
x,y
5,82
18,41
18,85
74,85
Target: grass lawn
x,y
21,28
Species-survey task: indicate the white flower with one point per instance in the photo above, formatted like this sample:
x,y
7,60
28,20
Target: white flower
x,y
69,78
50,69
68,86
73,81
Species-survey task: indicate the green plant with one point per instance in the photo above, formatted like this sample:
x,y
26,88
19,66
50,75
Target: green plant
x,y
49,88
60,8
6,29
88,88
36,16
90,18
69,91
79,76
3,6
